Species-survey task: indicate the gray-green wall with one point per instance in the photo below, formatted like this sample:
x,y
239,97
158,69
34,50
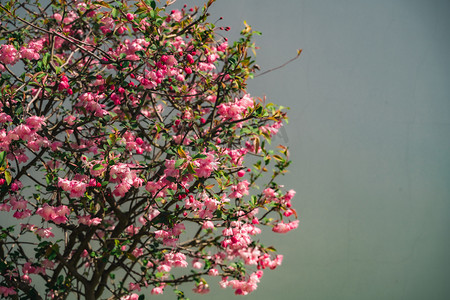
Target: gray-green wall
x,y
369,134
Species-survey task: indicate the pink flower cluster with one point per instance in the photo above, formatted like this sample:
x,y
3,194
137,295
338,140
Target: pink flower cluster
x,y
201,288
172,259
273,196
87,220
130,297
125,177
27,131
266,262
17,204
237,237
205,166
285,227
9,55
170,236
135,144
75,187
237,155
158,290
45,232
91,103
7,291
235,110
243,287
240,189
56,214
64,84
29,53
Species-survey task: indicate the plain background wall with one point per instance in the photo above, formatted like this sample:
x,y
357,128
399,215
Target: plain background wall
x,y
369,135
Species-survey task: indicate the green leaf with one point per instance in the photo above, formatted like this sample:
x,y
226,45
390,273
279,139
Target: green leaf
x,y
114,13
45,60
8,177
97,167
277,157
179,162
191,168
2,158
181,152
199,155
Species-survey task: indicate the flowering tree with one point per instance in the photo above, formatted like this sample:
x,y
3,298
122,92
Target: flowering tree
x,y
129,150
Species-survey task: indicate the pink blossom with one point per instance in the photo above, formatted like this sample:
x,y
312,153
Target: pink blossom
x,y
15,186
7,291
208,225
201,288
164,268
138,252
269,193
61,212
29,53
206,166
9,55
47,264
46,212
5,117
96,221
176,15
24,132
77,189
86,220
121,189
130,297
64,184
35,122
213,272
212,58
157,290
18,204
197,265
5,207
222,47
134,286
22,214
159,234
285,227
45,232
57,17
55,214
63,85
240,189
206,67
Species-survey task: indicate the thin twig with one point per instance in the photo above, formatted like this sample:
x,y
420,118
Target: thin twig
x,y
283,65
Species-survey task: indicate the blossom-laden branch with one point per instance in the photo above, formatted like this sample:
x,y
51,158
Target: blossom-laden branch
x,y
130,147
